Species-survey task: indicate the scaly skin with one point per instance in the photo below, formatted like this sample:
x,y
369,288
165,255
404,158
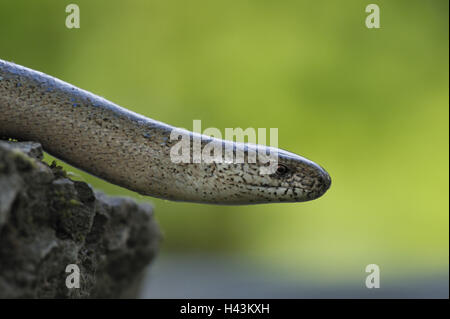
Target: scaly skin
x,y
133,151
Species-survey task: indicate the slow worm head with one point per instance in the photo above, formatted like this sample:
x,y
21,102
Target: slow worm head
x,y
133,151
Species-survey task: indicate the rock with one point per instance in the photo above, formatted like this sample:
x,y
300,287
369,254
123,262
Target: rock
x,y
48,221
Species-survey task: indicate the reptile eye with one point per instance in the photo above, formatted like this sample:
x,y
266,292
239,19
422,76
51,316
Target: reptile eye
x,y
282,170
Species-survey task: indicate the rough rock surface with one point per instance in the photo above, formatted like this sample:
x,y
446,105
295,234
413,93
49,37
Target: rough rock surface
x,y
48,221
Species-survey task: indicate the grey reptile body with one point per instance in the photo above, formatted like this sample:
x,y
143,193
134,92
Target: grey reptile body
x,y
133,151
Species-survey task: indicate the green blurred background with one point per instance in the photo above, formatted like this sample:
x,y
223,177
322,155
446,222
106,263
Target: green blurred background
x,y
369,105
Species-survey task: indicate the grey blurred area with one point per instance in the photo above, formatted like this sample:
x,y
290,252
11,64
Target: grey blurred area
x,y
209,276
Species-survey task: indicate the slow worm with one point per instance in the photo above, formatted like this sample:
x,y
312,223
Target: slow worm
x,y
132,151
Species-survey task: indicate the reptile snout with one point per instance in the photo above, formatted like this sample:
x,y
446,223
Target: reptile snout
x,y
324,182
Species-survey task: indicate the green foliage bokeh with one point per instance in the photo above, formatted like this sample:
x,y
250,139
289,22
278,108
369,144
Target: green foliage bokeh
x,y
371,106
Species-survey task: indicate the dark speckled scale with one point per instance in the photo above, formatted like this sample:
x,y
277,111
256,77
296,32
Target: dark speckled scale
x,y
133,151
